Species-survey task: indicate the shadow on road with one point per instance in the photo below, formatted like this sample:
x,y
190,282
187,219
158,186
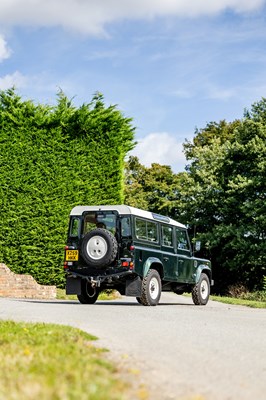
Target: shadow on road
x,y
116,303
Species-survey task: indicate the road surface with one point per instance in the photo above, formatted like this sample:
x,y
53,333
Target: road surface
x,y
176,350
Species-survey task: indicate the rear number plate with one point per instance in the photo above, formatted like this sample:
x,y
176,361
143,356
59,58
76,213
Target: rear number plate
x,y
72,255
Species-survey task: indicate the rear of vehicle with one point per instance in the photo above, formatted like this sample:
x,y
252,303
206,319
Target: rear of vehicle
x,y
99,252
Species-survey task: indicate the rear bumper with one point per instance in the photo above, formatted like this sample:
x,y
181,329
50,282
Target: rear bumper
x,y
125,282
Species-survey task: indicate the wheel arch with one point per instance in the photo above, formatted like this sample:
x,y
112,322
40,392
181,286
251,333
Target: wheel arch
x,y
153,263
203,269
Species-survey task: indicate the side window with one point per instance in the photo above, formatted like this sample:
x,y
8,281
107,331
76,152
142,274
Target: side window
x,y
125,226
146,230
74,227
182,241
167,235
141,229
152,234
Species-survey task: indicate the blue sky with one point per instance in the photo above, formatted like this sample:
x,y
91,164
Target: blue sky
x,y
171,65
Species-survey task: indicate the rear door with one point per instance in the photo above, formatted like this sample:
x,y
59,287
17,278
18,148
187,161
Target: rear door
x,y
169,257
146,242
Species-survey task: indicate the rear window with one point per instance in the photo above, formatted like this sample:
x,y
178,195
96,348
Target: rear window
x,y
95,220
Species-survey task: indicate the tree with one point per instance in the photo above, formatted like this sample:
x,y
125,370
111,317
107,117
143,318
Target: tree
x,y
221,196
152,188
225,189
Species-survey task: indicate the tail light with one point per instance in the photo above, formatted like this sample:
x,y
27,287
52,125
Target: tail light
x,y
125,264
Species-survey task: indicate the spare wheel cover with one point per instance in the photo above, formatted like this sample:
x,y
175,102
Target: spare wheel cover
x,y
99,247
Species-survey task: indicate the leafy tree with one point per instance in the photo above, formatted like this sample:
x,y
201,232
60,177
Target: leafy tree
x,y
152,188
221,196
51,159
226,185
221,132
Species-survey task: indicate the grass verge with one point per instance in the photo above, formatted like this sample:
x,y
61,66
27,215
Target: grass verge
x,y
47,361
240,302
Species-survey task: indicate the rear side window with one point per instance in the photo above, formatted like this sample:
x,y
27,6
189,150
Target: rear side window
x,y
74,227
125,226
146,230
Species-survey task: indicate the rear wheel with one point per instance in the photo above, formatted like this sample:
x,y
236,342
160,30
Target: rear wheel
x,y
151,289
89,294
201,291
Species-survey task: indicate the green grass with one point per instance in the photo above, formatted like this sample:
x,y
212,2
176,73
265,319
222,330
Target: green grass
x,y
46,361
241,302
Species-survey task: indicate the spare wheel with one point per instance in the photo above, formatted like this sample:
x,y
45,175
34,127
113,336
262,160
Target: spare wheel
x,y
99,248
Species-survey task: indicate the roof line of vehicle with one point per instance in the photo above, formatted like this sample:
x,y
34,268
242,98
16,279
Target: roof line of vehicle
x,y
126,210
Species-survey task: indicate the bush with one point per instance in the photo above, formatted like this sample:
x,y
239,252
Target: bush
x,y
52,159
240,291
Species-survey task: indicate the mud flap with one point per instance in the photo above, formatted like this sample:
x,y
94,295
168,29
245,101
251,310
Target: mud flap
x,y
73,285
133,287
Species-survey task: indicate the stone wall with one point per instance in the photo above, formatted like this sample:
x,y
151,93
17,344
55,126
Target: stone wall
x,y
23,286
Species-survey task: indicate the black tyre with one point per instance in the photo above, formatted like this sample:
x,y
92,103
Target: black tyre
x,y
99,248
151,289
89,294
201,291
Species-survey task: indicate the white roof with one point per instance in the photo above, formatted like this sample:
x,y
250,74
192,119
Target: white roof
x,y
126,210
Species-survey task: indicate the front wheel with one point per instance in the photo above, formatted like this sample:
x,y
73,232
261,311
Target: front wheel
x,y
151,289
89,294
201,291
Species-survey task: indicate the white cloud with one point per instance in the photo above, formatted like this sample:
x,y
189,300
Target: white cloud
x,y
16,79
91,16
161,148
5,52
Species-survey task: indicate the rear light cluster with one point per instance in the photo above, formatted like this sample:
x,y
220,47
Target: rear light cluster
x,y
127,264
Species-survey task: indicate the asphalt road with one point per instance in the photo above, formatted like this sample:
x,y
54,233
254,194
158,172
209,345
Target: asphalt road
x,y
177,350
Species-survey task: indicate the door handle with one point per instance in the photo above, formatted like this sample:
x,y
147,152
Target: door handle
x,y
166,258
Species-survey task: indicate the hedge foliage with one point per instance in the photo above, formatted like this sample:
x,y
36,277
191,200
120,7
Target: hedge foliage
x,y
53,158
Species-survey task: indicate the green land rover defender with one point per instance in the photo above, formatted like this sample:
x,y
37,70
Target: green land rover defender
x,y
137,252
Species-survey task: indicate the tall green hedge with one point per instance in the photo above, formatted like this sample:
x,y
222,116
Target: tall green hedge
x,y
51,159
